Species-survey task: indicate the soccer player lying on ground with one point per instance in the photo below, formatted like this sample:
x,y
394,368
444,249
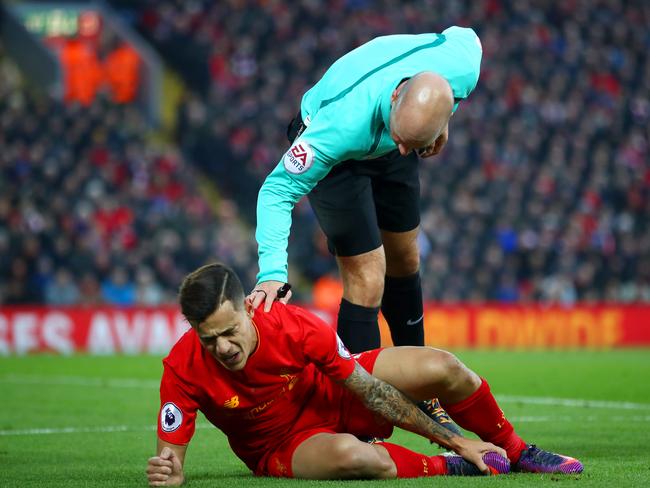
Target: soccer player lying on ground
x,y
285,390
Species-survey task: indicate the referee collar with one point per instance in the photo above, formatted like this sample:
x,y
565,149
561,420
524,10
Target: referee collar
x,y
384,104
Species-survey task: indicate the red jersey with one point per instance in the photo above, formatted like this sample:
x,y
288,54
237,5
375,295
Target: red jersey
x,y
297,359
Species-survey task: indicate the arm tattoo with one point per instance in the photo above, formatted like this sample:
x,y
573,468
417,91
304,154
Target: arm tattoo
x,y
394,406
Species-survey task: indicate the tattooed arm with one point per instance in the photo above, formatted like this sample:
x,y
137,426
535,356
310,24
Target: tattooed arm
x,y
394,406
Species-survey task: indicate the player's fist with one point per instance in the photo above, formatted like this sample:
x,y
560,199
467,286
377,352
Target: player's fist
x,y
165,469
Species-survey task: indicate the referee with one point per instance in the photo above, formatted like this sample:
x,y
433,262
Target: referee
x,y
355,147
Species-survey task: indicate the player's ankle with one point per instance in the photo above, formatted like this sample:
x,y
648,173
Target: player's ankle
x,y
514,446
437,466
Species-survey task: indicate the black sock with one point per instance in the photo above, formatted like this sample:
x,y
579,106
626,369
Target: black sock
x,y
402,308
358,327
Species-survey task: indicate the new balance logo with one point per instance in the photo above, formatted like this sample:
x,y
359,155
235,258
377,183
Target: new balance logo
x,y
291,380
232,403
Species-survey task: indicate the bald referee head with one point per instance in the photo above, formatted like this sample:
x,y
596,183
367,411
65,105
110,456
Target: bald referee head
x,y
421,108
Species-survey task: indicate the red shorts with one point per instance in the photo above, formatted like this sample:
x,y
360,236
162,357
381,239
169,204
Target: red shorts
x,y
334,409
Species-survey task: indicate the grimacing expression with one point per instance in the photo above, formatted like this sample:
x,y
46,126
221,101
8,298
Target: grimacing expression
x,y
229,335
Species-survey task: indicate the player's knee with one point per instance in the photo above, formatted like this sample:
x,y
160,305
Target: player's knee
x,y
457,376
443,367
354,459
346,454
453,367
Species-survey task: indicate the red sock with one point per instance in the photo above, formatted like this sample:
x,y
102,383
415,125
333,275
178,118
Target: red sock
x,y
412,464
480,413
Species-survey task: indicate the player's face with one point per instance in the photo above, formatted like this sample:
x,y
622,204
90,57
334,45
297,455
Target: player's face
x,y
228,335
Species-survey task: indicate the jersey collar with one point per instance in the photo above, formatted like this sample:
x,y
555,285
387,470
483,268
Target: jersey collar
x,y
384,105
257,332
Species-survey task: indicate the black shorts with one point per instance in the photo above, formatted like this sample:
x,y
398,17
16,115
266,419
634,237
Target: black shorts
x,y
358,198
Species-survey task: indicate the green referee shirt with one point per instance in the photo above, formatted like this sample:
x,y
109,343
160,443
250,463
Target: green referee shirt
x,y
347,117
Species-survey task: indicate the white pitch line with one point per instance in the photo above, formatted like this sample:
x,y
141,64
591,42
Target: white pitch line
x,y
80,381
139,384
572,402
151,428
578,418
68,430
84,430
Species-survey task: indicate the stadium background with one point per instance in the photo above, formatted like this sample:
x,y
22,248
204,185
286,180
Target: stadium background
x,y
535,218
539,204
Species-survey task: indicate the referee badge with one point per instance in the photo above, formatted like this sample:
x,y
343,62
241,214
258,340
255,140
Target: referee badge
x,y
298,158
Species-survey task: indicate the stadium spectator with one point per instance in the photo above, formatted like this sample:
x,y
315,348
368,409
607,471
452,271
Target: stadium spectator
x,y
19,288
89,290
122,71
62,290
148,291
83,71
118,289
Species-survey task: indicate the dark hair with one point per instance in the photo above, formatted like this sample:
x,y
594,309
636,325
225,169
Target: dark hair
x,y
204,290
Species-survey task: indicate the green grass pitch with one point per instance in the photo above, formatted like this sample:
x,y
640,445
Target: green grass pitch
x,y
89,421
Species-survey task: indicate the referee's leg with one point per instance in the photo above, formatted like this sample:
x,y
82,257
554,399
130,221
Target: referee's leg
x,y
402,298
363,287
396,193
343,203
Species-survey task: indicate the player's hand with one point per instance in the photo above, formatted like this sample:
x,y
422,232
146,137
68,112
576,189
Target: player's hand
x,y
165,469
474,450
266,292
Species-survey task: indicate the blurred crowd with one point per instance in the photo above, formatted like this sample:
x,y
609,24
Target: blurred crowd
x,y
92,213
543,192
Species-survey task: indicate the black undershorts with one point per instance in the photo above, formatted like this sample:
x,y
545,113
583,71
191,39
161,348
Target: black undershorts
x,y
358,198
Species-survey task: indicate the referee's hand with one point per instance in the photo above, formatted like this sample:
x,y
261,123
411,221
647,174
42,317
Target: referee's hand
x,y
266,292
